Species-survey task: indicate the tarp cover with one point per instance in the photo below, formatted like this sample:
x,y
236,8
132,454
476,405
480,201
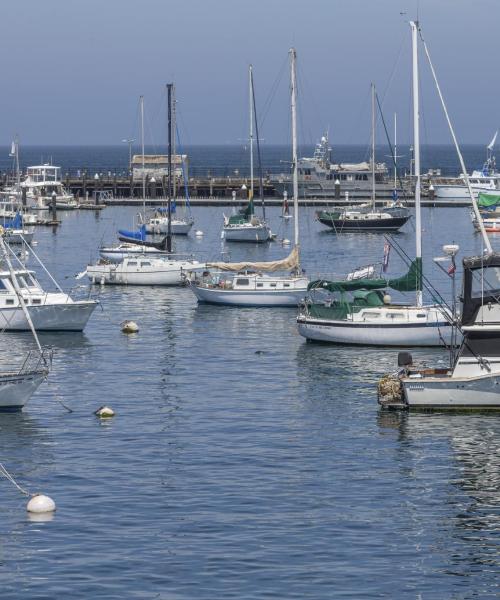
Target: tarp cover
x,y
410,282
289,263
487,200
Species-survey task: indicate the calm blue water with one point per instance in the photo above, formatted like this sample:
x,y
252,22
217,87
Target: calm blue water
x,y
225,160
228,473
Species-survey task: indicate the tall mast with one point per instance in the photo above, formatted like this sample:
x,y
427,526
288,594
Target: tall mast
x,y
259,157
18,174
174,150
293,79
250,81
169,118
395,151
143,159
373,146
416,149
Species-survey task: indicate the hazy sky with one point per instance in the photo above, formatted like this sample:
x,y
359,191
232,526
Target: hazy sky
x,y
72,70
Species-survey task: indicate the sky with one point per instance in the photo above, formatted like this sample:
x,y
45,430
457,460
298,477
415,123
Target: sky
x,y
73,70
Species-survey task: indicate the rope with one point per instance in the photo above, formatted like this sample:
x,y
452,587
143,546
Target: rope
x,y
7,475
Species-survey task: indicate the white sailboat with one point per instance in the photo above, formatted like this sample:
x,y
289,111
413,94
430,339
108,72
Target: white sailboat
x,y
473,379
248,285
371,318
246,226
17,385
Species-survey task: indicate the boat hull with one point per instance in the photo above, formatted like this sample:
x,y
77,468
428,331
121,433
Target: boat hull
x,y
178,228
246,234
453,393
70,316
117,256
252,298
117,274
342,225
17,389
404,335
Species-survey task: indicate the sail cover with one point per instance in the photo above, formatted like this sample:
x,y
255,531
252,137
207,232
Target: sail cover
x,y
411,282
134,235
289,263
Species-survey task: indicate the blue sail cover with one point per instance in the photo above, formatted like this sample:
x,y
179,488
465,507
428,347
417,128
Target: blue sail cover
x,y
134,235
15,223
164,209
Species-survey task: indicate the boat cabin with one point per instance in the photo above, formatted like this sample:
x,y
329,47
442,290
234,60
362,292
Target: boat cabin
x,y
30,289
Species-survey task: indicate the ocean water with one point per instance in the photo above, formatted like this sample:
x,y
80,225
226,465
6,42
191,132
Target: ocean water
x,y
242,461
229,160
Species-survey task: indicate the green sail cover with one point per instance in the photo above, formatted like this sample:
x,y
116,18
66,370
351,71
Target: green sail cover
x,y
411,282
487,200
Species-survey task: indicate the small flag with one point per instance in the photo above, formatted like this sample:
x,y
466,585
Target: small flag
x,y
13,149
452,268
492,143
395,195
387,251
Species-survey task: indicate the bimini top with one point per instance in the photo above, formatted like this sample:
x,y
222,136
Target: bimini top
x,y
411,282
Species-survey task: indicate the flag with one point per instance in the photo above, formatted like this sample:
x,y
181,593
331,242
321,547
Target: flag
x,y
452,268
492,143
13,149
387,251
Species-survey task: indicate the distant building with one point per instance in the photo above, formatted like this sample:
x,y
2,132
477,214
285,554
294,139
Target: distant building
x,y
156,165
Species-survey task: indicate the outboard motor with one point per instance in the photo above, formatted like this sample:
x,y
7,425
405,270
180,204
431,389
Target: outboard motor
x,y
405,359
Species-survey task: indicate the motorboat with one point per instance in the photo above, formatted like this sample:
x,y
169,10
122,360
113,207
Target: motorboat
x,y
142,270
40,185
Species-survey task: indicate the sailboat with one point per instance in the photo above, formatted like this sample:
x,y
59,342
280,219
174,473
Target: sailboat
x,y
246,226
18,385
473,379
248,285
158,222
367,316
144,263
366,218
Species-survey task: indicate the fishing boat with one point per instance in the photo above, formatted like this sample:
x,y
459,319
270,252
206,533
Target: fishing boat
x,y
366,217
41,182
142,270
18,384
246,226
367,315
48,311
248,283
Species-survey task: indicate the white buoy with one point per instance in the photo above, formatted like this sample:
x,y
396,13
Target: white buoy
x,y
198,233
286,242
40,503
129,327
105,412
387,299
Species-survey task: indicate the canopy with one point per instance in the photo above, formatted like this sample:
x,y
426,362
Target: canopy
x,y
411,282
288,263
487,200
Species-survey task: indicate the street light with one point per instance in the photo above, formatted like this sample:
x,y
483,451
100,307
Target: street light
x,y
129,142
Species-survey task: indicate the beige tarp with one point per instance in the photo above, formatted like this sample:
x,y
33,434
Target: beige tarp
x,y
287,264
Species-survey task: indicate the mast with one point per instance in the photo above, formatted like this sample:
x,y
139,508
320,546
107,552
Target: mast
x,y
169,193
373,146
143,160
174,145
484,235
293,79
18,173
259,158
250,82
416,150
395,151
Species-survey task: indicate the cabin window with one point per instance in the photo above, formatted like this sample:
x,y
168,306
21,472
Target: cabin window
x,y
420,316
132,263
9,301
371,315
272,285
286,285
2,285
260,285
242,282
485,281
394,316
36,301
145,263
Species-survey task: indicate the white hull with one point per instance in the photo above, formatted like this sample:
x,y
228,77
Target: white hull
x,y
453,392
458,191
116,255
255,298
170,272
343,332
17,236
245,233
70,316
180,227
17,389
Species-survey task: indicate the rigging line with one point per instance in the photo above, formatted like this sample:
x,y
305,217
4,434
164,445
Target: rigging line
x,y
7,475
390,144
272,94
396,63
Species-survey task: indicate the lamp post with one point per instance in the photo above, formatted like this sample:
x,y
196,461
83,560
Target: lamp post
x,y
129,142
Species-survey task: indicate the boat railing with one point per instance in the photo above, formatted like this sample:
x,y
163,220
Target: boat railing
x,y
36,361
